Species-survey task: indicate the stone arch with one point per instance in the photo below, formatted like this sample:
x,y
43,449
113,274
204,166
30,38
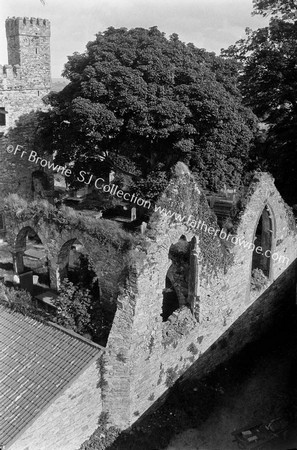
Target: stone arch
x,y
179,254
63,259
109,263
75,262
70,257
264,234
23,233
28,240
170,299
175,293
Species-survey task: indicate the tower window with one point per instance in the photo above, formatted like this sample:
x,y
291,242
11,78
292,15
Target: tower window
x,y
2,116
36,50
2,227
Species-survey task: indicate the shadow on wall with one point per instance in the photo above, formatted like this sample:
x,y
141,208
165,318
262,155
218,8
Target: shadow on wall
x,y
175,293
263,238
229,395
265,313
76,266
30,255
90,255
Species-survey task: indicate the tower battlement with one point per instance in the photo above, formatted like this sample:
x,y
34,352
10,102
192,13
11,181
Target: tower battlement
x,y
24,81
28,45
27,26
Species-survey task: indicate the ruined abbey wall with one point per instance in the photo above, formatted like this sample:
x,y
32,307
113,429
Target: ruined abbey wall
x,y
145,355
108,260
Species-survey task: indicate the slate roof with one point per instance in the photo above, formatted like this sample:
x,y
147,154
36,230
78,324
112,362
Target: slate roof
x,y
37,361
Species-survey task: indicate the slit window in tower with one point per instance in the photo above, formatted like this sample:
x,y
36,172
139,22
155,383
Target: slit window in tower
x,y
2,116
1,221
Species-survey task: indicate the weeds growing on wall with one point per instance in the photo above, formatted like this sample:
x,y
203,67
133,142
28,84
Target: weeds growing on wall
x,y
103,230
258,280
103,436
244,197
185,198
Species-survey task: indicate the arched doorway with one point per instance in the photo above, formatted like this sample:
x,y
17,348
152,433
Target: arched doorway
x,y
75,265
30,260
170,300
80,288
41,186
176,289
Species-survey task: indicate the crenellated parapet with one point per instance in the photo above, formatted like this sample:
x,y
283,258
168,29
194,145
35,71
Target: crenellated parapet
x,y
24,81
28,45
27,26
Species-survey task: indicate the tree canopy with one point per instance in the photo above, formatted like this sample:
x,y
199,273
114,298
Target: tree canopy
x,y
284,9
141,102
268,82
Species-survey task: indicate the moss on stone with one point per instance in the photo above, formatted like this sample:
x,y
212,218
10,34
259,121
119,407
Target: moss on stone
x,y
104,230
184,198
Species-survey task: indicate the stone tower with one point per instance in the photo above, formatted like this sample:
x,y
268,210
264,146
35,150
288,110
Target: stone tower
x,y
28,44
24,82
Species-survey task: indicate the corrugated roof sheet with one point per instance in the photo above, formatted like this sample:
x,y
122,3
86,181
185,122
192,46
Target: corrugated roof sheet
x,y
37,361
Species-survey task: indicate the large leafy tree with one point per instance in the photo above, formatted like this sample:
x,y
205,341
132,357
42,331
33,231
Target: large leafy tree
x,y
284,9
140,102
268,83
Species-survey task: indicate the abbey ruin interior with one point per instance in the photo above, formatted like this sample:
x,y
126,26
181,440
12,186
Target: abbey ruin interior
x,y
174,300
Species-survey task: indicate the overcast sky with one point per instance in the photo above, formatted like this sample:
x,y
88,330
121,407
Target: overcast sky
x,y
209,24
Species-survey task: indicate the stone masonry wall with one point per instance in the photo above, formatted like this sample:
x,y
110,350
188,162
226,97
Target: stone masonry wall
x,y
107,261
19,106
266,311
156,353
69,420
28,44
23,84
16,171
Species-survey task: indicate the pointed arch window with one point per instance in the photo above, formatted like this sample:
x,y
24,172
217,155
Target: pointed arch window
x,y
263,241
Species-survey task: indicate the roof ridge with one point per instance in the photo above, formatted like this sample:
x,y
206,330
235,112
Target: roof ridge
x,y
75,335
52,324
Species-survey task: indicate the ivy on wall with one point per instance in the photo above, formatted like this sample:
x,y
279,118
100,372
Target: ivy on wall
x,y
103,230
244,197
183,198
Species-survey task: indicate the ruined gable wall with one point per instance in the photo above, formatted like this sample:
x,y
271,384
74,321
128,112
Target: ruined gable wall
x,y
137,327
220,296
156,353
